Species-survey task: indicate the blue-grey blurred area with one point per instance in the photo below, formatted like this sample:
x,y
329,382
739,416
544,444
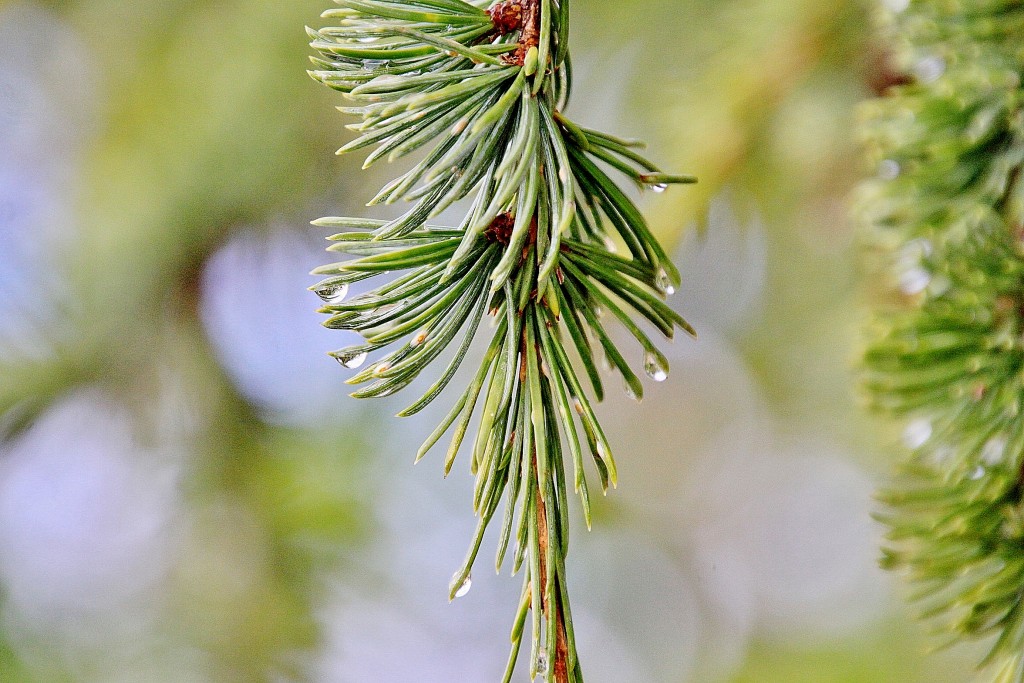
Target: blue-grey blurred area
x,y
187,493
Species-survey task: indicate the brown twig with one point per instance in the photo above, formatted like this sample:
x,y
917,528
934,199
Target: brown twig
x,y
524,16
530,36
559,660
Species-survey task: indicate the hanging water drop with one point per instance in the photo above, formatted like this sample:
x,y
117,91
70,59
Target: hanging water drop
x,y
464,587
983,123
914,252
659,188
917,433
889,169
930,69
333,294
352,360
663,282
992,453
628,388
914,281
978,473
655,368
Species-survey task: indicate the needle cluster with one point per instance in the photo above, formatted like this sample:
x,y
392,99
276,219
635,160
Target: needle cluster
x,y
945,222
477,91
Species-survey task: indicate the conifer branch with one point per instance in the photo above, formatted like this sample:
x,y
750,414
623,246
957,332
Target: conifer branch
x,y
487,84
944,219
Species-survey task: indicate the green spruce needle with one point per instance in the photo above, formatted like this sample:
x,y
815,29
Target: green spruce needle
x,y
944,222
478,90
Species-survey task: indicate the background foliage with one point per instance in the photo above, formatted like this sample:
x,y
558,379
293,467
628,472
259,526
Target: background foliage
x,y
187,494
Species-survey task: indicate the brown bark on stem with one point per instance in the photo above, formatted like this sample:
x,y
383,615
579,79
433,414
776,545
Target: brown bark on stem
x,y
530,35
522,16
559,659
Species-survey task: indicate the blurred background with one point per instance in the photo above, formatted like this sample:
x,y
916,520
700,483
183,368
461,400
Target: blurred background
x,y
187,494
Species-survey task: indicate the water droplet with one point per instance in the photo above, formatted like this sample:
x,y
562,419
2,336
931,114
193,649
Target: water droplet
x,y
374,64
466,586
542,662
915,250
663,282
889,169
352,359
917,433
930,69
367,39
598,311
992,453
654,368
978,473
982,124
629,391
333,294
914,281
610,245
897,6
